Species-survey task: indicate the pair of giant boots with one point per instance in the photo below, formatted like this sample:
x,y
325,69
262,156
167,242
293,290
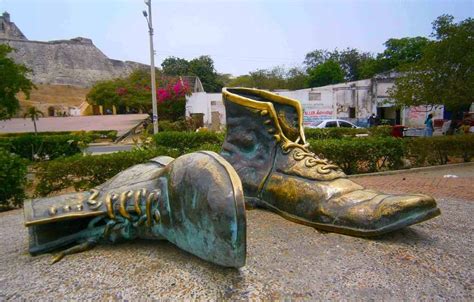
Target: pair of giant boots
x,y
197,201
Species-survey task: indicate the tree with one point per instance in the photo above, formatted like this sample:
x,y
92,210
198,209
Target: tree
x,y
399,52
34,114
296,78
316,57
351,60
275,78
242,81
104,93
12,81
329,72
203,67
175,66
444,75
135,92
224,79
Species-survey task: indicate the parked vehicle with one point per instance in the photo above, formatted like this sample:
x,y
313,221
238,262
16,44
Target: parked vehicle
x,y
335,123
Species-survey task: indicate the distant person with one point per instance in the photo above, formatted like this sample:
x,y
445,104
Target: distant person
x,y
371,120
429,125
377,120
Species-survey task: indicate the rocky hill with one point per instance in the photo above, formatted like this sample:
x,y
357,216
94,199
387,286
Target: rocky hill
x,y
76,62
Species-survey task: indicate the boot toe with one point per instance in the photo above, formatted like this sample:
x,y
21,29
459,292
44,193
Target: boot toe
x,y
386,213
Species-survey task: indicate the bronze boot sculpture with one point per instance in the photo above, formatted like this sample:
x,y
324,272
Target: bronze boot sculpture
x,y
195,201
265,143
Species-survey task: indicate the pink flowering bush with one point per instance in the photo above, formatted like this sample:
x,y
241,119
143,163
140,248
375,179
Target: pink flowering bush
x,y
134,92
171,98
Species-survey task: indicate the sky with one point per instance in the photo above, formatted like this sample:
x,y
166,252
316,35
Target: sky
x,y
240,35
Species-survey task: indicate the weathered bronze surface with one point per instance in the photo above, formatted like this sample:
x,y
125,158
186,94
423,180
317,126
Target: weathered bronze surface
x,y
266,145
196,202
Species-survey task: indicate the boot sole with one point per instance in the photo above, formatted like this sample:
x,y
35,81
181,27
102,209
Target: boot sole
x,y
419,217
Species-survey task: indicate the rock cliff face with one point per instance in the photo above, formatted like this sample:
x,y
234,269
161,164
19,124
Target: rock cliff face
x,y
76,62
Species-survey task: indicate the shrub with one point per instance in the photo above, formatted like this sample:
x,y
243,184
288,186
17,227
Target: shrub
x,y
183,142
438,150
383,130
85,172
333,133
49,146
368,154
165,125
338,133
96,134
12,178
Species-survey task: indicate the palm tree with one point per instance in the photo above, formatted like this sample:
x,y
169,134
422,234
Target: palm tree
x,y
34,114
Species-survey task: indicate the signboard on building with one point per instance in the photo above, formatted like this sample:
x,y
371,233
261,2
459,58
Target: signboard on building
x,y
416,116
315,113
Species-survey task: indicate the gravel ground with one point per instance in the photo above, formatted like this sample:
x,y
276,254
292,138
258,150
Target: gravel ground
x,y
429,261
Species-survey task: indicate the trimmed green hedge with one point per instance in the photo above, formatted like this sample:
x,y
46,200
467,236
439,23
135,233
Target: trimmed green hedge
x,y
439,150
338,133
371,154
165,125
96,134
85,172
367,154
184,142
34,147
354,155
333,133
12,179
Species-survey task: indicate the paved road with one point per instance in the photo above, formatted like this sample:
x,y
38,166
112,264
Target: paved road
x,y
122,123
443,181
429,261
108,148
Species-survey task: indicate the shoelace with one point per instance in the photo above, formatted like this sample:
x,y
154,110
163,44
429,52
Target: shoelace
x,y
312,160
122,223
140,217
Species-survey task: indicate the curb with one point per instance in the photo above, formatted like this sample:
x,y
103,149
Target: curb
x,y
412,170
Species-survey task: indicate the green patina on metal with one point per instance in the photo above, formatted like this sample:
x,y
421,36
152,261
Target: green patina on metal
x,y
196,202
265,143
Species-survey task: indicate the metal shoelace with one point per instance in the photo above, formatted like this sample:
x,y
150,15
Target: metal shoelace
x,y
121,224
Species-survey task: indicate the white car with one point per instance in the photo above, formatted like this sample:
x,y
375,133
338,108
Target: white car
x,y
335,124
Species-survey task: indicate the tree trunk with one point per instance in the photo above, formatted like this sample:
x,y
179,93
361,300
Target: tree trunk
x,y
34,124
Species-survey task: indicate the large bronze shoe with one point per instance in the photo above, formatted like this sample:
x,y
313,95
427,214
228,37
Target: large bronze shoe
x,y
196,202
266,145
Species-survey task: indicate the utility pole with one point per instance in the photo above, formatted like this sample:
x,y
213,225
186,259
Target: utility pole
x,y
152,67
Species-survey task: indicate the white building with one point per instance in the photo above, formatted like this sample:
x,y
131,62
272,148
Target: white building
x,y
354,101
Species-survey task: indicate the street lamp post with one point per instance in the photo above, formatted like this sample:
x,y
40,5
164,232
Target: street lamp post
x,y
152,67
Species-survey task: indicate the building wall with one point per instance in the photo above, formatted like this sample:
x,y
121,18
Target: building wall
x,y
353,101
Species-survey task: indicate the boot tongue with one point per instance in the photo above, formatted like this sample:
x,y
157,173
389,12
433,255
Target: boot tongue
x,y
291,132
288,120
